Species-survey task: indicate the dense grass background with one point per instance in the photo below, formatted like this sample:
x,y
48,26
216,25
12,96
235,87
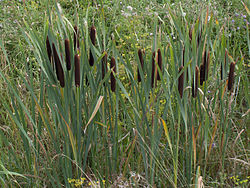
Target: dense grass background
x,y
136,136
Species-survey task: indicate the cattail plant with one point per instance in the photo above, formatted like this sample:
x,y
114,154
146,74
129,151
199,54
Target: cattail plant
x,y
77,70
76,38
181,81
113,81
195,82
202,74
104,65
58,65
49,51
153,70
159,61
206,65
67,52
231,76
141,61
93,39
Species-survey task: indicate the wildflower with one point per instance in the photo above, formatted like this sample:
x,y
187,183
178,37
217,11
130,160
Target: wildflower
x,y
113,81
129,8
231,76
244,16
233,21
141,61
93,40
77,70
59,69
49,51
181,81
236,14
238,28
67,52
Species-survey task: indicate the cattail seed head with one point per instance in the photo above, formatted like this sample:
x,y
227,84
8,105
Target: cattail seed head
x,y
113,81
49,51
67,52
58,65
231,76
77,70
142,63
202,74
181,81
93,40
195,82
104,65
153,70
76,38
159,60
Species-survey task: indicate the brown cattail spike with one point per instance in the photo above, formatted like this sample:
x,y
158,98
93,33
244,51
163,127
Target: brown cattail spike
x,y
59,69
159,60
195,82
67,52
141,61
113,81
231,76
93,39
104,65
49,51
202,70
77,70
76,38
181,81
153,70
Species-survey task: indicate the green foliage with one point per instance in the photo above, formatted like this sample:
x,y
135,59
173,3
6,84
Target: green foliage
x,y
137,135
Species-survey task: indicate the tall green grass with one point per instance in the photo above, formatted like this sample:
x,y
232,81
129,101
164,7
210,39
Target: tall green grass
x,y
96,131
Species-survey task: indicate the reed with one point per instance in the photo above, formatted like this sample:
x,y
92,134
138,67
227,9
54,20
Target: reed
x,y
104,65
77,70
159,61
231,76
195,82
142,63
93,40
181,82
58,65
112,79
48,47
153,71
67,53
76,38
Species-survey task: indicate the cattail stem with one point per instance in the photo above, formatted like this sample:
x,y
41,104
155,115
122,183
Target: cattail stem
x,y
67,52
77,70
207,65
181,82
93,40
113,81
231,76
153,70
195,83
49,51
58,65
159,61
142,63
